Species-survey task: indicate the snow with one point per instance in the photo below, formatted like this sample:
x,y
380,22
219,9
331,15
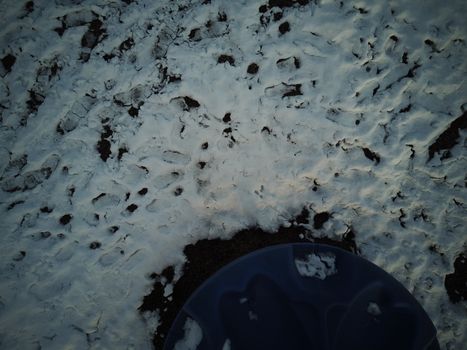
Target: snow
x,y
192,338
226,345
317,265
78,242
373,309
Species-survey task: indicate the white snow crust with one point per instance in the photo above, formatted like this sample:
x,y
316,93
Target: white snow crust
x,y
369,79
192,337
317,265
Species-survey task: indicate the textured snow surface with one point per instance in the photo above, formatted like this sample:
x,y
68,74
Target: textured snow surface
x,y
317,265
132,128
192,337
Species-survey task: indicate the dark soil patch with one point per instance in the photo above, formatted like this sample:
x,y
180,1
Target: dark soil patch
x,y
95,245
406,109
221,17
449,137
14,204
287,3
375,90
320,218
431,44
92,37
46,210
143,191
303,217
107,132
361,10
277,16
405,58
71,191
131,208
20,256
284,28
108,57
65,219
190,102
371,155
95,199
29,6
205,257
174,78
252,68
103,147
456,282
227,118
410,74
8,61
94,34
34,102
126,45
121,152
226,58
195,34
44,234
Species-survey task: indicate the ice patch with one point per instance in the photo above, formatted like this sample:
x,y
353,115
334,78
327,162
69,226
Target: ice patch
x,y
317,265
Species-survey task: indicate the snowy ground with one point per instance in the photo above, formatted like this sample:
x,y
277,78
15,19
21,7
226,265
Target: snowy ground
x,y
130,129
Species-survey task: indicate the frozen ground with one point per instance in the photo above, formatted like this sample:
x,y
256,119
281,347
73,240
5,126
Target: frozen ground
x,y
130,129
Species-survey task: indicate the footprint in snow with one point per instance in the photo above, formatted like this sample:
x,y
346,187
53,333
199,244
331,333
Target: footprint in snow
x,y
165,180
175,157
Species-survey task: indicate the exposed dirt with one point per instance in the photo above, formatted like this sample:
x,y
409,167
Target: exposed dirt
x,y
252,68
103,145
65,219
190,102
371,155
284,28
226,58
456,282
449,137
205,257
287,3
8,61
319,219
